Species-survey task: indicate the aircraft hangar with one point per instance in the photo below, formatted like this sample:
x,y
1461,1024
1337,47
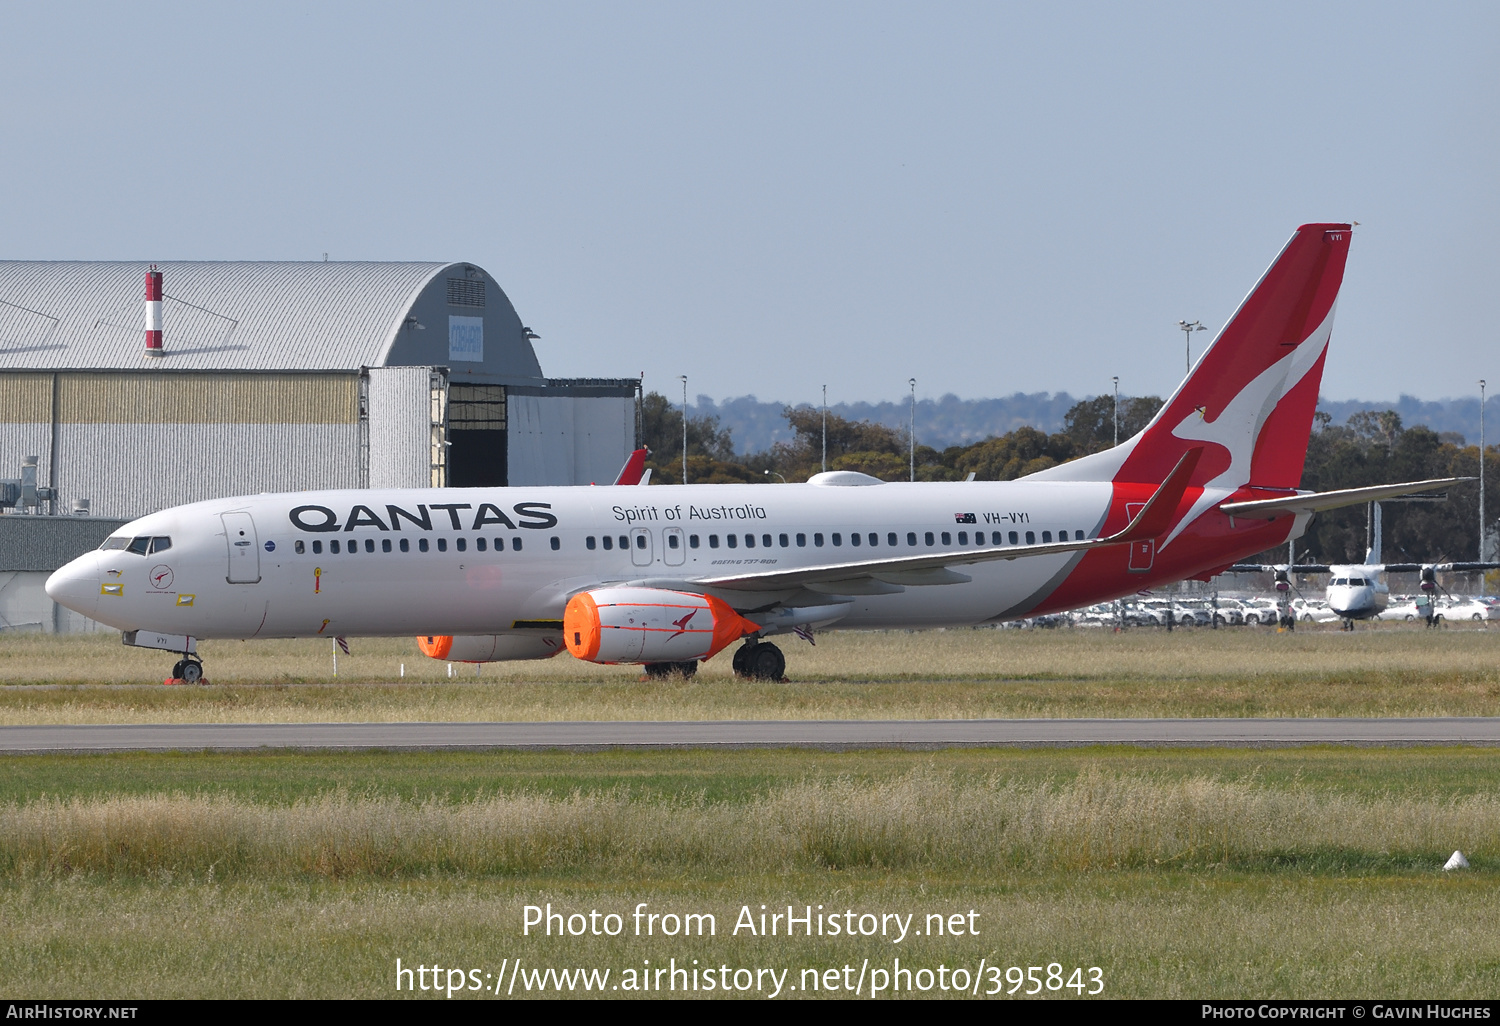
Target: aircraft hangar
x,y
127,387
281,376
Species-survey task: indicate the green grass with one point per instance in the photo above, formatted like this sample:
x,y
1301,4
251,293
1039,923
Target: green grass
x,y
1390,671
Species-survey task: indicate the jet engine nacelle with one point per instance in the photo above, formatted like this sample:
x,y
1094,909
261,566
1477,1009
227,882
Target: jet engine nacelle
x,y
489,648
650,625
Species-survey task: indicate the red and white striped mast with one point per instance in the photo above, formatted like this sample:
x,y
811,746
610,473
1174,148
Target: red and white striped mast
x,y
153,312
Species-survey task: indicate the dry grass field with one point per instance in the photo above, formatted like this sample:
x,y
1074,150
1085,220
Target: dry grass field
x,y
1196,874
1224,873
1390,670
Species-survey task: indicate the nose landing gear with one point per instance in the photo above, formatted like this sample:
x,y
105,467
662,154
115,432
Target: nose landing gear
x,y
188,671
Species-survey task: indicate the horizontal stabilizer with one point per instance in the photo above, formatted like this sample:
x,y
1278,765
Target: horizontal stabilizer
x,y
1315,502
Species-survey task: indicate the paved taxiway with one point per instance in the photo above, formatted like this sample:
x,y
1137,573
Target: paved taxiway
x,y
829,734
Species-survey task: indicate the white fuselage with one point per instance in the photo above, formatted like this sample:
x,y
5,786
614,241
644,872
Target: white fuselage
x,y
1357,592
481,561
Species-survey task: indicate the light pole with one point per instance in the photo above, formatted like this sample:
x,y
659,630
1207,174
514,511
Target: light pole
x,y
1481,471
1116,380
1187,330
913,429
684,427
825,428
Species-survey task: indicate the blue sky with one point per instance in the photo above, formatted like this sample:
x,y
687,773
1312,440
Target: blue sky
x,y
769,197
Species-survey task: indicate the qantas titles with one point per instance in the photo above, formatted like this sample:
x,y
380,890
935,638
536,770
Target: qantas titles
x,y
530,515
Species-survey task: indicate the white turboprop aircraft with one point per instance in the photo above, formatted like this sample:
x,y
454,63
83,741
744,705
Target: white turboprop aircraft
x,y
1358,591
667,576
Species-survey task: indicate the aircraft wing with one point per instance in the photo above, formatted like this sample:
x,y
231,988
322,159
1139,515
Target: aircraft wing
x,y
933,568
1296,568
1314,502
1462,568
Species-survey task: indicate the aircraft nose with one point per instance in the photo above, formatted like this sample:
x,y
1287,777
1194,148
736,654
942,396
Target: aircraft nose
x,y
76,585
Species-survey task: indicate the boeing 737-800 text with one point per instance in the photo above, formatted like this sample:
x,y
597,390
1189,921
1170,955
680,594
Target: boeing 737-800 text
x,y
667,576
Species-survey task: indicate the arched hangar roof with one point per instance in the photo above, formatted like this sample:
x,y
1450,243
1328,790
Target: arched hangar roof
x,y
263,316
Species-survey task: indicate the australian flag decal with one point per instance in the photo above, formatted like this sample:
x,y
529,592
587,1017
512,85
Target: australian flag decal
x,y
964,518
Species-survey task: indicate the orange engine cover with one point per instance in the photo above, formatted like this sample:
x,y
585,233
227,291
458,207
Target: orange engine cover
x,y
489,648
650,625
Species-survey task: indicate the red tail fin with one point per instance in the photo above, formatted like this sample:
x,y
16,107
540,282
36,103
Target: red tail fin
x,y
635,466
1250,399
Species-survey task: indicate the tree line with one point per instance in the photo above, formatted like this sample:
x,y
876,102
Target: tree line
x,y
1369,449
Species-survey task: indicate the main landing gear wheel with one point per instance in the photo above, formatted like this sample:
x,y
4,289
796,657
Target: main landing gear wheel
x,y
661,671
189,671
760,661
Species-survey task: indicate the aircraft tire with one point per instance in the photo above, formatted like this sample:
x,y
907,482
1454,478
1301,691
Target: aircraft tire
x,y
765,662
740,663
659,671
688,669
189,671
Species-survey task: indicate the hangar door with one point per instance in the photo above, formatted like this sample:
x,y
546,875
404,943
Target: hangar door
x,y
476,433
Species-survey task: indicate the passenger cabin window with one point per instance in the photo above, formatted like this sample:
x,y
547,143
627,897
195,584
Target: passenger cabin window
x,y
890,539
479,544
442,544
838,539
369,545
609,543
591,543
785,541
405,545
333,546
640,541
947,538
461,544
801,541
624,541
672,542
733,540
996,538
911,538
515,544
1030,537
854,538
421,544
817,539
874,538
317,547
556,543
1015,539
692,541
963,537
1046,537
298,547
765,540
749,541
713,541
928,538
385,545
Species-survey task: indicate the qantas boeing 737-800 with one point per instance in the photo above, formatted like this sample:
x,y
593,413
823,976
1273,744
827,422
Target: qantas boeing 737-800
x,y
667,576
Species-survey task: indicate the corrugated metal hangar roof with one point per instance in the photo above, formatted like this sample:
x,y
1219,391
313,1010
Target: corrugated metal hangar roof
x,y
237,315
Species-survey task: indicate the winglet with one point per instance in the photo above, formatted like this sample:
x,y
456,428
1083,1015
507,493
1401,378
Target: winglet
x,y
630,473
1156,516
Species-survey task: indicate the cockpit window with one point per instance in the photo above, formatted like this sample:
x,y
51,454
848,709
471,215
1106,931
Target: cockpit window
x,y
138,546
115,543
160,545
